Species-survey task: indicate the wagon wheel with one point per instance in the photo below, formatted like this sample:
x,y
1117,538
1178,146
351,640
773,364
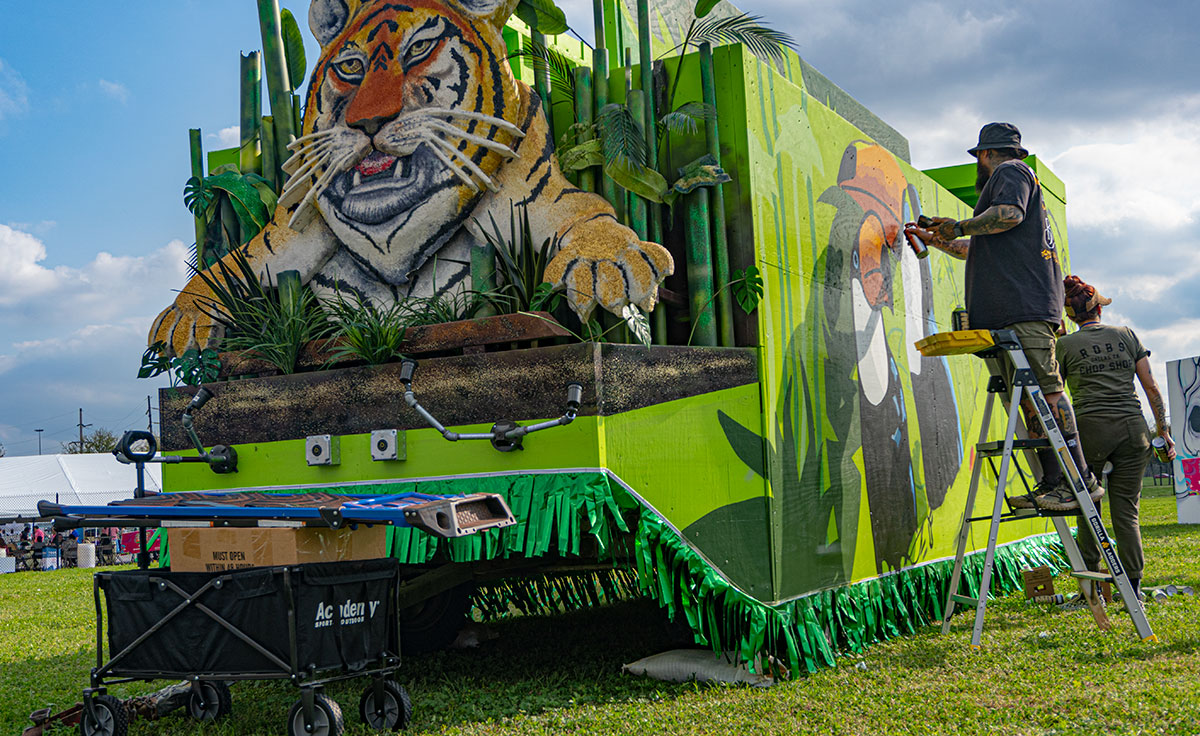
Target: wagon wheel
x,y
327,718
110,719
217,702
393,714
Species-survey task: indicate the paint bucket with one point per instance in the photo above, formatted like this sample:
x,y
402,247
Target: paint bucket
x,y
87,554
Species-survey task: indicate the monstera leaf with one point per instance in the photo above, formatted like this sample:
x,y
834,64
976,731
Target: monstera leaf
x,y
293,48
543,16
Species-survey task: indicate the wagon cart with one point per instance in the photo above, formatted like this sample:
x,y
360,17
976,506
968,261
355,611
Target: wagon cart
x,y
311,624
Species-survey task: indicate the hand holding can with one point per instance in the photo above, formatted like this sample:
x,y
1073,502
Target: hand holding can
x,y
1164,449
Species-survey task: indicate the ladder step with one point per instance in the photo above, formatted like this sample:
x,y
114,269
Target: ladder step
x,y
1102,577
996,447
966,600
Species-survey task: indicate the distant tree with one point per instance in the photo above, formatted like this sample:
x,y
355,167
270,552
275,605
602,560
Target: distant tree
x,y
98,440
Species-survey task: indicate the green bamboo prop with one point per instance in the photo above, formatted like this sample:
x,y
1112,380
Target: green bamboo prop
x,y
278,86
197,149
637,205
483,272
649,120
608,188
724,299
270,164
297,117
584,114
249,160
699,266
541,79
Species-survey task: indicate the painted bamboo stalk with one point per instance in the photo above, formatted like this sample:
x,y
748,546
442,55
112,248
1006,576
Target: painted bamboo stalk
x,y
584,115
249,160
541,79
637,205
724,299
483,272
649,120
197,150
270,164
699,266
297,116
607,188
279,88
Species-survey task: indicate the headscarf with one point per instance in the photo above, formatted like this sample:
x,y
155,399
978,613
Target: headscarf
x,y
1081,298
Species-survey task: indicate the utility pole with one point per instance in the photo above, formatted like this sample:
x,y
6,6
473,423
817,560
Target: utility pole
x,y
149,415
82,426
39,432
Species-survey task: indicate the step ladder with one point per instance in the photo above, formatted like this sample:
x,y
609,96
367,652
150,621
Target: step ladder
x,y
997,347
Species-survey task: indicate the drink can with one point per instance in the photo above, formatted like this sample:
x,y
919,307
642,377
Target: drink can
x,y
958,320
1160,449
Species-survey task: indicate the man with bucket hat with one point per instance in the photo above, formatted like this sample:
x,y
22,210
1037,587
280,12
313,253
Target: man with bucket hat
x,y
1014,281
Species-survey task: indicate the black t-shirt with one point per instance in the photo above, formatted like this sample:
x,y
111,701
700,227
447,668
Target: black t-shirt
x,y
1014,276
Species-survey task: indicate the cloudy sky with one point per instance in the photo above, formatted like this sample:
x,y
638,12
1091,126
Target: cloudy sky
x,y
96,100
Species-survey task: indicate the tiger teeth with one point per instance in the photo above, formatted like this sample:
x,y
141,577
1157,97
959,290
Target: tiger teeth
x,y
357,179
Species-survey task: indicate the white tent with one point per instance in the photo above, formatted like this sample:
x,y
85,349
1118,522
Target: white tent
x,y
91,480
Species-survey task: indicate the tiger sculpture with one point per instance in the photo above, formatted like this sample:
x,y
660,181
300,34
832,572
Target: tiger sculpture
x,y
415,134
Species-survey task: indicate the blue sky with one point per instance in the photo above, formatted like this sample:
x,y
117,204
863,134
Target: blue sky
x,y
96,100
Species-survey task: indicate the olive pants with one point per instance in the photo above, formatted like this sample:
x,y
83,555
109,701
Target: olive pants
x,y
1126,444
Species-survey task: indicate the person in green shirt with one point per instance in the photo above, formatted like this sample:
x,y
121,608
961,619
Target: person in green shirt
x,y
1099,363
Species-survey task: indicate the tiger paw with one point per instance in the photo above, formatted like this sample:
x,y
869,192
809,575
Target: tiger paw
x,y
594,272
184,325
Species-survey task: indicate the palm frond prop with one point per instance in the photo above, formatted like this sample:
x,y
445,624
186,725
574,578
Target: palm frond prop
x,y
742,28
686,120
624,142
545,60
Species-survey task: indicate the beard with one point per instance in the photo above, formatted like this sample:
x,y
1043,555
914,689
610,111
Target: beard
x,y
982,174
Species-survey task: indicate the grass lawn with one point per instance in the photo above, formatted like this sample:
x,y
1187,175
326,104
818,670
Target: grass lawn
x,y
1042,671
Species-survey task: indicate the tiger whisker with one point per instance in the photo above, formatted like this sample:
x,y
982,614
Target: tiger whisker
x,y
454,168
307,164
465,159
314,136
500,123
480,141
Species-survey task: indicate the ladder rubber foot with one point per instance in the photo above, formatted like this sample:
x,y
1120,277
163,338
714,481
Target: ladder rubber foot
x,y
1153,638
976,647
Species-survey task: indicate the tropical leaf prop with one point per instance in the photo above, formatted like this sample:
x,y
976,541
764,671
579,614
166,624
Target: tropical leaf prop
x,y
293,48
703,172
747,288
638,324
555,65
624,142
543,16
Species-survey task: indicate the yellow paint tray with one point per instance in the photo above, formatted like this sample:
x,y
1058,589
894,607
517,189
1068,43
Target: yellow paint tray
x,y
959,342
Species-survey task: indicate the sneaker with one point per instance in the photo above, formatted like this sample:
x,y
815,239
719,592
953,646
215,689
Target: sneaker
x,y
1029,500
1061,498
1095,490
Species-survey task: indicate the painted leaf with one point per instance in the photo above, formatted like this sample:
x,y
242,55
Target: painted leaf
x,y
576,158
245,197
704,7
642,181
543,16
703,172
293,48
747,288
638,324
266,192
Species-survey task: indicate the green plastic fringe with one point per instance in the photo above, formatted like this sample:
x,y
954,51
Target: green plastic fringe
x,y
806,632
550,594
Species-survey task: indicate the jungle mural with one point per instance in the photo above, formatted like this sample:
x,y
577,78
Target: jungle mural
x,y
415,132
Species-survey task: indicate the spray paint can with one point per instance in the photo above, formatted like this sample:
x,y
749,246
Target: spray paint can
x,y
917,244
1160,449
1056,598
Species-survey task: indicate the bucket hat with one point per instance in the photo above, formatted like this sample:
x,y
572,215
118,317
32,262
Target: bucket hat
x,y
999,135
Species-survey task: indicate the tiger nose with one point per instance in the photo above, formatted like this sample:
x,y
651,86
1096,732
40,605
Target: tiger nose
x,y
370,126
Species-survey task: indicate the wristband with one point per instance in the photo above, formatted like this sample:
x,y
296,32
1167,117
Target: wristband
x,y
958,229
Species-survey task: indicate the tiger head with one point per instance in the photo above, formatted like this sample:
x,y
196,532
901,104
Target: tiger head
x,y
411,110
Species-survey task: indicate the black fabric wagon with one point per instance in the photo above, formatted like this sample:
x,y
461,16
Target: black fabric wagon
x,y
311,624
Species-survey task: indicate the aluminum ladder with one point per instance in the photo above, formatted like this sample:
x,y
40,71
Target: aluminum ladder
x,y
996,347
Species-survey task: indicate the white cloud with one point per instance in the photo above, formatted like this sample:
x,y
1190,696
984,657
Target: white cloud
x,y
115,90
230,137
14,95
21,276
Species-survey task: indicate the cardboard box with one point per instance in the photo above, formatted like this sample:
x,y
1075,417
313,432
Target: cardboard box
x,y
1038,581
200,549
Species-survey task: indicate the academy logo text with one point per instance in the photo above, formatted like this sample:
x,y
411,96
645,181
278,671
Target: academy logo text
x,y
350,612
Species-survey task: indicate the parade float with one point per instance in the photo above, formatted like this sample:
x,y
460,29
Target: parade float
x,y
470,224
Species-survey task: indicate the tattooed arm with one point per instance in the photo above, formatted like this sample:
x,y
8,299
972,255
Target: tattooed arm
x,y
946,234
1155,399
